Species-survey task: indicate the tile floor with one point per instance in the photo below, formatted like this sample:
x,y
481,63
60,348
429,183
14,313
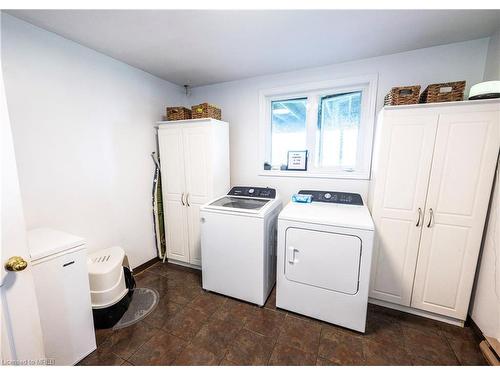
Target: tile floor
x,y
194,327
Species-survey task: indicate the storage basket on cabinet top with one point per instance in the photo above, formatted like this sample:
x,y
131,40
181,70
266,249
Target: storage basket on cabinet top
x,y
178,113
402,95
206,110
443,92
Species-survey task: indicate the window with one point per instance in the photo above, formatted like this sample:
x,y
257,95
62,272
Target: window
x,y
338,128
288,128
332,120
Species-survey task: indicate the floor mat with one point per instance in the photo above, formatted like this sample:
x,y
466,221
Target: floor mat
x,y
144,301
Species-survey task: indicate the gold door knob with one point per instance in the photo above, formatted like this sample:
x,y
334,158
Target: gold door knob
x,y
16,264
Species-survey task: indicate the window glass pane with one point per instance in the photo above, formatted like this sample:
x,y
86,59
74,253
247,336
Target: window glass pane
x,y
288,128
338,128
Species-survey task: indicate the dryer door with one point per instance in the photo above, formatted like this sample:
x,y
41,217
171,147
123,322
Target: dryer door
x,y
323,259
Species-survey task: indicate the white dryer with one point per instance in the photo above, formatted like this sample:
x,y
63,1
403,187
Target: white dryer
x,y
324,258
238,243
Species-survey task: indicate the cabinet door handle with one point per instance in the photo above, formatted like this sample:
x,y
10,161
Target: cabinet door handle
x,y
187,200
431,216
419,217
182,199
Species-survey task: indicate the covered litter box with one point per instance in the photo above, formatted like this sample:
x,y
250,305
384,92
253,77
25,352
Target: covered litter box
x,y
111,285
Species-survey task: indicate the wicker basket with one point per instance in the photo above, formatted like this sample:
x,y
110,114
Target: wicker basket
x,y
402,95
178,113
443,92
205,110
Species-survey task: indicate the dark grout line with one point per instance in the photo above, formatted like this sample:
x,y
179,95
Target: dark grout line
x,y
453,350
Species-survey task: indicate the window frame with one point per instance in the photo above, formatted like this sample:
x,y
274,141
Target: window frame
x,y
367,84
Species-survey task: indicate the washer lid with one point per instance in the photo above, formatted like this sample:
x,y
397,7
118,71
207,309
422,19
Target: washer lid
x,y
334,214
241,204
43,242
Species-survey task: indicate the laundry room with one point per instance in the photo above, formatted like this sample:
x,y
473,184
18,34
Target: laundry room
x,y
251,186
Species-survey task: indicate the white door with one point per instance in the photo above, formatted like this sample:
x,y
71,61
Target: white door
x,y
173,189
21,336
400,180
325,260
463,167
197,162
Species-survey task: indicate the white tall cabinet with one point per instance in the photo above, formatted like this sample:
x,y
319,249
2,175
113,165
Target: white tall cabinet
x,y
194,159
432,176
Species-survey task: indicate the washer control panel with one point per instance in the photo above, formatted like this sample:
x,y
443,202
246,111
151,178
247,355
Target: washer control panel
x,y
252,191
334,197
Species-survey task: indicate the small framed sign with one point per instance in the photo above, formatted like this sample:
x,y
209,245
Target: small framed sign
x,y
297,161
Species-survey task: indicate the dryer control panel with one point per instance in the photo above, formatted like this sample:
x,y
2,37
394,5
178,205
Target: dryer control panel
x,y
252,191
334,197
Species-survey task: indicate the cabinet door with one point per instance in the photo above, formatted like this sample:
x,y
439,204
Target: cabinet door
x,y
198,185
197,153
193,217
173,189
463,167
400,183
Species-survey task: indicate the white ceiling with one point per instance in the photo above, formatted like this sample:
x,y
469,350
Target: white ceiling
x,y
203,47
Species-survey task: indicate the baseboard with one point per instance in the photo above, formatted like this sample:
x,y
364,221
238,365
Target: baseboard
x,y
489,353
495,345
145,265
411,310
490,346
183,264
475,328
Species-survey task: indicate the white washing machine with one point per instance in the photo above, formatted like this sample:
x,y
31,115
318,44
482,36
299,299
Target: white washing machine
x,y
238,243
324,258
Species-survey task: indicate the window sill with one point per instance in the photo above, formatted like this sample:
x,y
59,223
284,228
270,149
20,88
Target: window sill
x,y
310,174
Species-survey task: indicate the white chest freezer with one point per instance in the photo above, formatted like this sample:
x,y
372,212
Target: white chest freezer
x,y
59,267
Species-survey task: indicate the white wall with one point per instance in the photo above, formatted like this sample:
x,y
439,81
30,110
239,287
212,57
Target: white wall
x,y
492,66
239,101
485,308
83,127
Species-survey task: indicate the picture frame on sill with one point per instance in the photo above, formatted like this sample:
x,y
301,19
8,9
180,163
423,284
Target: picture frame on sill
x,y
297,160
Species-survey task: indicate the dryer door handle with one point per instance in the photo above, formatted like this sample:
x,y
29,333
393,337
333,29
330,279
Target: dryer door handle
x,y
291,254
